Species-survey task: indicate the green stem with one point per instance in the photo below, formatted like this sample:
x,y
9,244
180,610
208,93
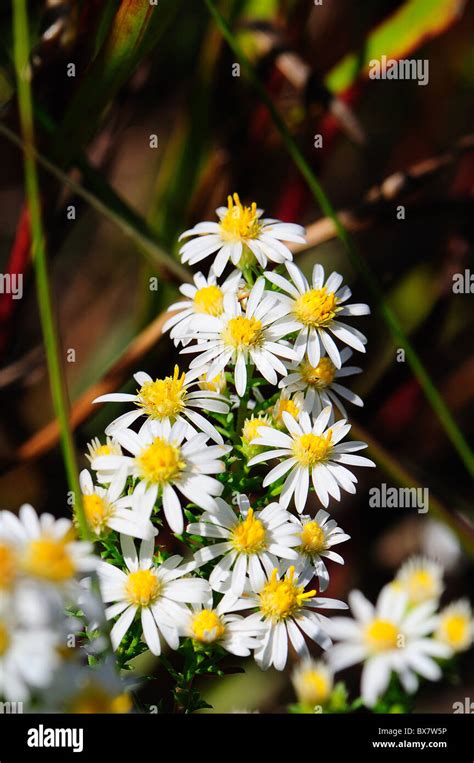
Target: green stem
x,y
436,401
38,251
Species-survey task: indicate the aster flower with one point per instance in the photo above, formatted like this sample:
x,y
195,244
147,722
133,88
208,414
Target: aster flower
x,y
316,538
165,462
240,236
89,690
318,385
313,681
96,448
309,449
286,611
105,510
421,579
252,541
387,638
241,336
157,594
168,399
456,626
311,311
205,297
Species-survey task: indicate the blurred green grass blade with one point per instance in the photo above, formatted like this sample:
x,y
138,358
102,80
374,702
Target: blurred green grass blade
x,y
403,31
38,249
398,335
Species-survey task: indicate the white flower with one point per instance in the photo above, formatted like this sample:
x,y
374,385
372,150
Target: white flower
x,y
155,593
316,538
285,609
251,543
421,579
206,297
43,548
242,336
28,654
456,626
388,637
105,509
95,448
312,310
166,463
310,449
168,399
318,383
207,624
240,236
313,682
85,689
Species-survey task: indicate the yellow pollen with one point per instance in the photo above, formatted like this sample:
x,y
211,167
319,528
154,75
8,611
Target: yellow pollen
x,y
381,635
163,398
142,588
209,300
49,559
314,687
251,427
248,537
239,222
160,462
312,538
217,384
207,626
319,376
4,639
242,333
281,599
454,630
420,586
8,567
284,404
98,510
310,449
95,700
316,307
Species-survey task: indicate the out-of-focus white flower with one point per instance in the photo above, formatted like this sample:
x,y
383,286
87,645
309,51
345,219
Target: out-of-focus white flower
x,y
456,626
313,682
421,579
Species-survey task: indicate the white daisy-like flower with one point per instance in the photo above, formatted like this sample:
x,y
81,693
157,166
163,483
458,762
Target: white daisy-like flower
x,y
96,448
286,612
252,542
318,385
387,638
168,399
310,449
166,462
239,337
205,297
220,625
106,510
28,654
311,310
43,548
155,593
292,404
240,236
421,579
84,689
456,626
313,682
316,537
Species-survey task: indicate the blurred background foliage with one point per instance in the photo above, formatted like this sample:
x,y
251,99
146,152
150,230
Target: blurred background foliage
x,y
165,70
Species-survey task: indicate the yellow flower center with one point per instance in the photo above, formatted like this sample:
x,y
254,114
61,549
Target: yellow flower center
x,y
142,588
95,700
284,404
312,538
248,537
163,398
314,688
160,462
239,222
217,384
97,510
49,559
310,449
319,376
281,599
251,427
381,635
8,567
242,332
4,639
209,300
207,626
454,630
315,307
420,586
